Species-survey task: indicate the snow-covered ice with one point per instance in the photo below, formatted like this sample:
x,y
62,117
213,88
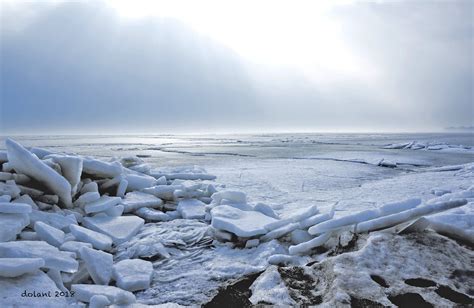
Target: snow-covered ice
x,y
133,274
120,229
241,223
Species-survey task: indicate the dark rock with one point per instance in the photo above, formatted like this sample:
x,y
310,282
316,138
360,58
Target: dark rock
x,y
409,300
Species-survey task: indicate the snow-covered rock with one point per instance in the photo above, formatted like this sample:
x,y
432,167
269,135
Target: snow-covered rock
x,y
269,288
98,263
97,239
25,162
52,256
191,209
133,274
14,267
120,229
241,223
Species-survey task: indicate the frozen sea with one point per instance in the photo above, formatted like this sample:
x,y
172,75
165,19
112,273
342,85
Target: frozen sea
x,y
289,172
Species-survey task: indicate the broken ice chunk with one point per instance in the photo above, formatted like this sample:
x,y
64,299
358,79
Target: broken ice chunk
x,y
135,200
14,267
99,301
87,197
152,214
15,208
192,209
120,229
49,234
99,264
307,246
137,182
103,204
165,192
229,195
133,274
74,246
84,292
52,256
100,168
71,168
11,225
25,162
241,223
97,239
53,219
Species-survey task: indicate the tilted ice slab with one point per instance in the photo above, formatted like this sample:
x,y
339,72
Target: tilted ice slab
x,y
241,223
51,235
152,214
98,263
120,228
25,162
395,219
38,288
192,209
165,192
96,239
11,225
133,274
53,257
14,208
71,168
387,209
14,267
101,168
139,181
56,220
84,292
104,203
137,199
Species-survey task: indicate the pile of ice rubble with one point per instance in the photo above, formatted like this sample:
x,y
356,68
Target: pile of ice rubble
x,y
430,146
62,217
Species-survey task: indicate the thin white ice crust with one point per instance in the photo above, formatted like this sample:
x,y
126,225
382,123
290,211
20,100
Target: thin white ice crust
x,y
14,267
120,229
27,163
133,274
137,199
11,225
270,288
51,235
52,256
99,264
15,208
192,209
84,292
356,218
241,223
395,219
102,204
306,247
96,239
101,168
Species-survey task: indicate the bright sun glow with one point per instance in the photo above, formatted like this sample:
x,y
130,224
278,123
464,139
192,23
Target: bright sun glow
x,y
293,34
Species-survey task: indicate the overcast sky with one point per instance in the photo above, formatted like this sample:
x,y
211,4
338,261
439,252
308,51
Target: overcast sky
x,y
229,66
